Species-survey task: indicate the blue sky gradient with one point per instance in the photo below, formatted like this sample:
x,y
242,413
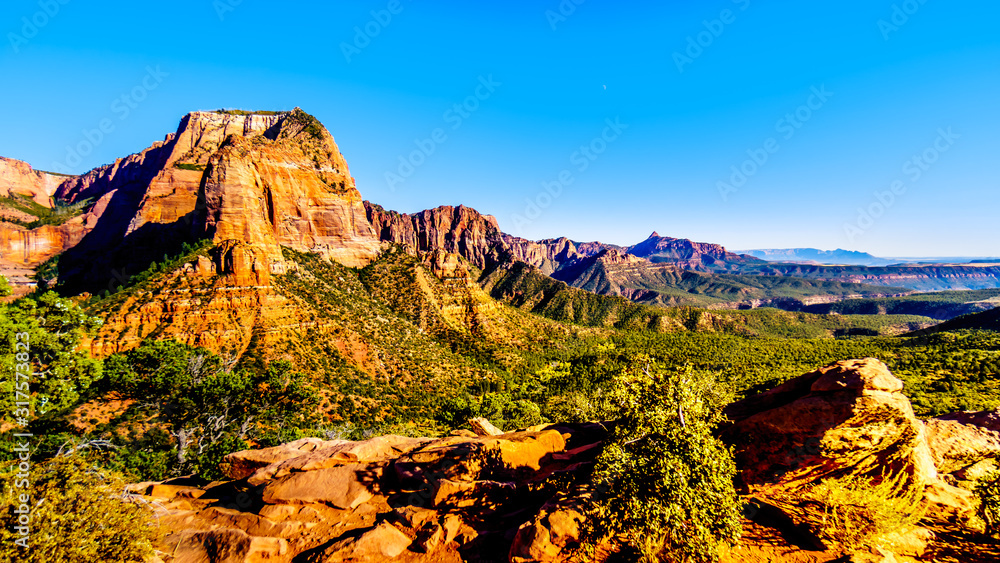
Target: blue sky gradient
x,y
687,114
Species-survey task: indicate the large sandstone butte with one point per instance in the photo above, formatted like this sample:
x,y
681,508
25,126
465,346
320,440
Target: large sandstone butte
x,y
523,496
262,179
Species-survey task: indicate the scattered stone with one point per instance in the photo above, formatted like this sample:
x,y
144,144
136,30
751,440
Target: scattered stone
x,y
483,427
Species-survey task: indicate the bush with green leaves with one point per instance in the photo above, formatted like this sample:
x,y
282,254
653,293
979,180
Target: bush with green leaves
x,y
502,409
207,406
43,332
80,514
859,513
664,484
988,491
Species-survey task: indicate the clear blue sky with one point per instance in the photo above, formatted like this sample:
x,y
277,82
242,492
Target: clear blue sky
x,y
893,89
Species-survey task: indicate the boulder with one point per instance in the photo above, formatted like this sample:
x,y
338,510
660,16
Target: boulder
x,y
381,543
497,458
343,486
847,419
226,545
483,427
552,535
332,454
240,465
960,441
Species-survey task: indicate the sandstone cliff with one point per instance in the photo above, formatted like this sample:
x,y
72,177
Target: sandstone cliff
x,y
294,190
267,180
460,230
474,236
24,192
20,178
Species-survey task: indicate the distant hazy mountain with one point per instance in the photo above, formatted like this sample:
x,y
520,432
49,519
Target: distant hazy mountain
x,y
839,256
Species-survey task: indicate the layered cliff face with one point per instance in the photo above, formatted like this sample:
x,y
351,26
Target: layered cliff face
x,y
460,230
20,178
25,194
291,190
474,236
548,255
264,179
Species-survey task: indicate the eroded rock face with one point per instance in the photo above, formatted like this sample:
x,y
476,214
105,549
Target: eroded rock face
x,y
459,230
215,301
965,445
294,190
262,179
17,177
476,237
849,418
390,498
22,249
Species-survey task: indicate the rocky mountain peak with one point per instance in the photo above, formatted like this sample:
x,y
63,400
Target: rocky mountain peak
x,y
267,179
288,186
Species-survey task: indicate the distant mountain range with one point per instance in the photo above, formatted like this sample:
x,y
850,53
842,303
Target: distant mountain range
x,y
841,257
255,185
817,256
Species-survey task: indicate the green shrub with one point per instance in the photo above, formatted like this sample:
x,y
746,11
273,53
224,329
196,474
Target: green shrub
x,y
209,462
988,491
85,516
859,514
664,483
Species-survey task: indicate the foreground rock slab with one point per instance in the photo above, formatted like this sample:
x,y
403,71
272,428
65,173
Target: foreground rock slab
x,y
390,498
505,497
